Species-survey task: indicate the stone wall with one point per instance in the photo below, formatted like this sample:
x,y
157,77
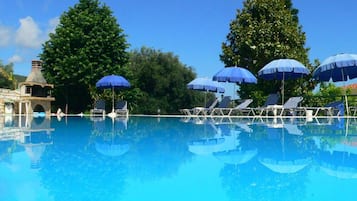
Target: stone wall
x,y
45,104
8,96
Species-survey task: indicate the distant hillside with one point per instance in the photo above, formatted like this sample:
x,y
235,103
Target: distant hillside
x,y
20,78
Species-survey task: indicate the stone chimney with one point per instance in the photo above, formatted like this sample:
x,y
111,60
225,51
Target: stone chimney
x,y
36,65
36,74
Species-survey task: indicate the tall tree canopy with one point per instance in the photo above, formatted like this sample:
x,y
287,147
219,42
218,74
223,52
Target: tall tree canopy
x,y
87,44
7,79
265,30
162,81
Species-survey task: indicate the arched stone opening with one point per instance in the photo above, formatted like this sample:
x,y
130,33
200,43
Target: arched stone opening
x,y
38,108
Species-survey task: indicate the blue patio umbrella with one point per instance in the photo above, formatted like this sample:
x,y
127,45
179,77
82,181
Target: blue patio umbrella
x,y
112,82
206,85
283,69
235,74
337,68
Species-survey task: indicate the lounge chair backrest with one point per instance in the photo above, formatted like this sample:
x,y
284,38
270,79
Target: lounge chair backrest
x,y
209,103
213,104
292,102
99,104
224,102
121,105
272,100
244,104
334,104
339,107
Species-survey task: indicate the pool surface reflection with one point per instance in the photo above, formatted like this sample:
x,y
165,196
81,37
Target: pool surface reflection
x,y
149,158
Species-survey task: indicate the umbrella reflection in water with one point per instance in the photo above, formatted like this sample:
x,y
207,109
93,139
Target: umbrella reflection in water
x,y
338,159
245,150
288,158
236,156
222,140
111,142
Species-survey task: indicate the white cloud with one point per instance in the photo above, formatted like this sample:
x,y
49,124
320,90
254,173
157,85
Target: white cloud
x,y
53,24
5,36
15,59
28,34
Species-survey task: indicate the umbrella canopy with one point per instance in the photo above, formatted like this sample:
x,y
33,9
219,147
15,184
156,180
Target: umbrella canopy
x,y
235,75
283,69
339,67
112,82
205,84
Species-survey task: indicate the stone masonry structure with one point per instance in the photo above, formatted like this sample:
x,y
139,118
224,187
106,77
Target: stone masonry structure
x,y
33,95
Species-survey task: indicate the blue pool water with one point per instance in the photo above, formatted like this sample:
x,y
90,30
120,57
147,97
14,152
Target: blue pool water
x,y
176,159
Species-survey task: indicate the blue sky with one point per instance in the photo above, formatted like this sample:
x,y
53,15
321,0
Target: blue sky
x,y
192,29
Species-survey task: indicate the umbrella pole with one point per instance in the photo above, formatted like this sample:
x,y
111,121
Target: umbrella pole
x,y
345,92
346,127
347,109
205,99
282,89
283,143
233,95
112,99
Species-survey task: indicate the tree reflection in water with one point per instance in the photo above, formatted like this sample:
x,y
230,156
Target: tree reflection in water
x,y
255,180
94,160
157,149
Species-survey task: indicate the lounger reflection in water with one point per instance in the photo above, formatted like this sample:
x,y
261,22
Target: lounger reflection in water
x,y
236,157
215,144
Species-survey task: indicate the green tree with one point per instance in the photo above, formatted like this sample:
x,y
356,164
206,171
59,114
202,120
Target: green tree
x,y
162,82
7,79
265,30
87,44
329,92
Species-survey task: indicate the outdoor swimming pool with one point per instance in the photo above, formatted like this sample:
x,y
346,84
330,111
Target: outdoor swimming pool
x,y
169,159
